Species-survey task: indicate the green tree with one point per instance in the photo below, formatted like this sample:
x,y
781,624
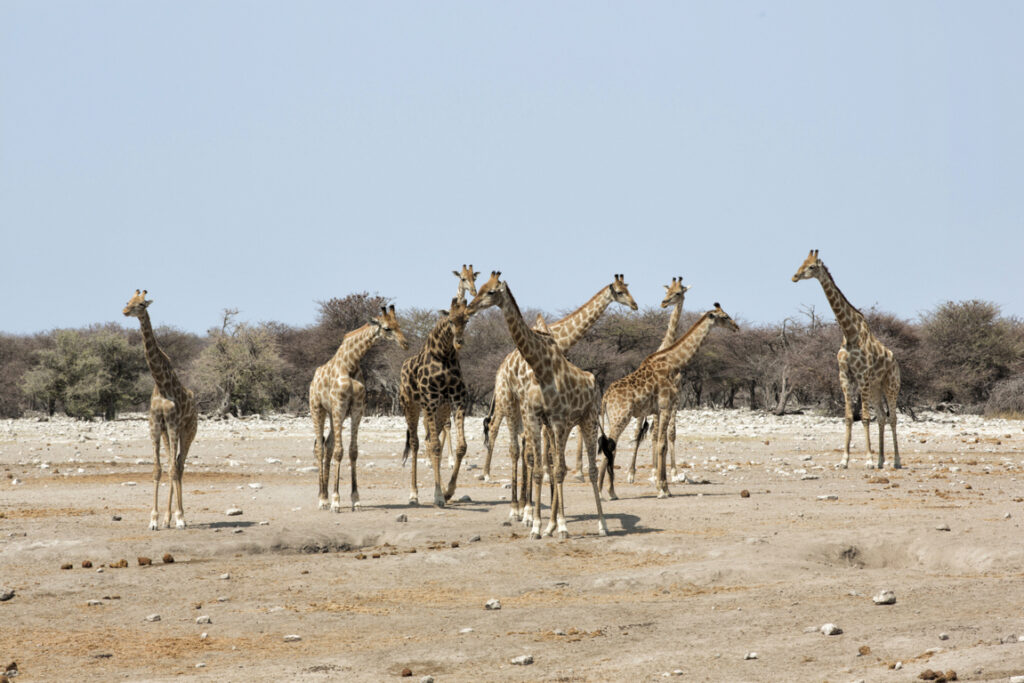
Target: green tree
x,y
241,371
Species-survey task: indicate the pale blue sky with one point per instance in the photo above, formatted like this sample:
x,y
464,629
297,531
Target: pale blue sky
x,y
263,156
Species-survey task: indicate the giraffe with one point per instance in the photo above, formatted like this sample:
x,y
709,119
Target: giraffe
x,y
654,388
336,392
864,363
172,414
467,283
432,382
559,395
674,296
513,374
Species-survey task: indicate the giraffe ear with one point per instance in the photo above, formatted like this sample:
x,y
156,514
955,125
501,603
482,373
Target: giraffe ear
x,y
456,273
443,312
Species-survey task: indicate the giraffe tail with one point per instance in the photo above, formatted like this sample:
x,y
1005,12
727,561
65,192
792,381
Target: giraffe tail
x,y
607,446
643,431
408,446
487,424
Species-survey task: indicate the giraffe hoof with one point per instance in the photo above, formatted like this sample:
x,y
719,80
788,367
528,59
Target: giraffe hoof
x,y
487,477
414,499
534,536
180,524
335,507
153,526
323,504
562,535
602,530
356,505
631,477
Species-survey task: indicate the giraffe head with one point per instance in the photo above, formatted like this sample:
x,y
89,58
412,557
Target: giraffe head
x,y
467,279
721,318
136,306
675,292
457,317
491,293
387,323
620,292
811,267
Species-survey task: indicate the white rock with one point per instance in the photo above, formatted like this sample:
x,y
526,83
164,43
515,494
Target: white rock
x,y
225,576
273,461
205,619
830,496
885,598
94,603
466,630
427,679
899,665
256,486
493,604
402,518
1016,679
233,512
6,594
942,527
830,629
153,617
750,655
201,665
127,483
522,660
293,638
943,636
204,635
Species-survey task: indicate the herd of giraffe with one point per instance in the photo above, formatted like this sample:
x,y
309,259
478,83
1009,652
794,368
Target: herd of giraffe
x,y
541,394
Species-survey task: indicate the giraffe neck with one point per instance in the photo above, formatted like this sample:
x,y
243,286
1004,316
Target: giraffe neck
x,y
848,317
461,293
354,346
440,341
676,356
158,362
572,327
526,340
673,327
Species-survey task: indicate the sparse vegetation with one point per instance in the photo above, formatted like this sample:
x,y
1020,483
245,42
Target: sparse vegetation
x,y
962,353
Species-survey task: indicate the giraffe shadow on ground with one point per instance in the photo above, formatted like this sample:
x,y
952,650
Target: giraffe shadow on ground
x,y
629,524
222,525
469,506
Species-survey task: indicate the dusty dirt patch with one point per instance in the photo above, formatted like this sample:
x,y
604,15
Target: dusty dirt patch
x,y
690,583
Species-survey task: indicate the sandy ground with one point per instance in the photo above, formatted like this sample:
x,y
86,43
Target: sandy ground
x,y
686,586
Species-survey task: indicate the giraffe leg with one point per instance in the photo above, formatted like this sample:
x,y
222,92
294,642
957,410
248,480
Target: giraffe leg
x,y
578,473
412,445
662,441
558,464
319,416
490,434
518,510
355,416
638,434
672,446
184,442
891,403
588,432
460,449
434,426
446,439
535,448
172,456
844,384
865,419
156,433
339,408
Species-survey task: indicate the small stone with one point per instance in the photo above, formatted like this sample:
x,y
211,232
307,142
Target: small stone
x,y
225,577
144,561
943,636
1012,638
94,603
168,558
455,544
86,564
427,679
493,604
66,565
406,672
830,629
292,638
750,655
1016,679
466,630
474,538
233,512
942,527
6,594
120,564
744,493
885,598
116,518
205,619
522,660
899,665
560,632
828,496
863,650
201,665
153,617
402,518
